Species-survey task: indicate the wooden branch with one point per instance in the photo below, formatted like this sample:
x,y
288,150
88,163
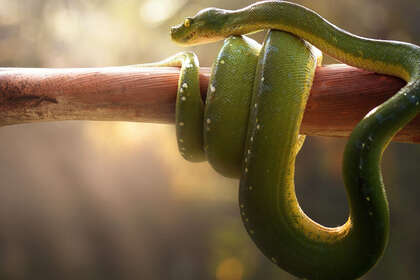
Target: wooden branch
x,y
340,97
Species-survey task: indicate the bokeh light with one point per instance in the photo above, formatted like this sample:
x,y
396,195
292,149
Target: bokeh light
x,y
115,200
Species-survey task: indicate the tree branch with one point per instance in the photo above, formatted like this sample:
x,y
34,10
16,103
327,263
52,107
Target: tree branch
x,y
340,97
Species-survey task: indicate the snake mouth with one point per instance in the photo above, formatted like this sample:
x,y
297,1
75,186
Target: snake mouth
x,y
193,37
182,35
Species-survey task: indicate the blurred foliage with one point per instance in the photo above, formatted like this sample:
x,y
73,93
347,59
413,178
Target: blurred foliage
x,y
96,200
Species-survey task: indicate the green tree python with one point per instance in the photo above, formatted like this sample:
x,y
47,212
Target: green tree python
x,y
248,129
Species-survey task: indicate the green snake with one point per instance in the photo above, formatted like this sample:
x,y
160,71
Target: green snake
x,y
248,128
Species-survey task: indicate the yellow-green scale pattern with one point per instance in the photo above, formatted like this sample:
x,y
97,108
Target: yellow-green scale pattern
x,y
283,76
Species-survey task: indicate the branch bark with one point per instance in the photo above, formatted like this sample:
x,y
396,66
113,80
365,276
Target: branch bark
x,y
340,97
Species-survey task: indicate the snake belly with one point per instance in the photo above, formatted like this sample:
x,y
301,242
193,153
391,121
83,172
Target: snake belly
x,y
269,208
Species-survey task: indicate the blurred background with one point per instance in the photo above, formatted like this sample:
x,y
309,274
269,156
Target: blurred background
x,y
114,200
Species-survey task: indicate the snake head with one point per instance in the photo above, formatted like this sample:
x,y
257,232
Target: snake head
x,y
204,27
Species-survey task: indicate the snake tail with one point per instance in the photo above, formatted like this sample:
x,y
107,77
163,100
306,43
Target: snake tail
x,y
189,109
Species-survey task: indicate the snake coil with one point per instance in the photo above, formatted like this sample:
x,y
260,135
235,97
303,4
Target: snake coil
x,y
249,127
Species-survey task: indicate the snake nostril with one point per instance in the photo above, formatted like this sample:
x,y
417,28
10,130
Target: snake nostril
x,y
173,31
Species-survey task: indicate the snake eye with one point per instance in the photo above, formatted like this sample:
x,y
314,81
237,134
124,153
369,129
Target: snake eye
x,y
187,22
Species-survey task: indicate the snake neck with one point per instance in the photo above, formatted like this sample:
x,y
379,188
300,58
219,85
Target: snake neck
x,y
387,57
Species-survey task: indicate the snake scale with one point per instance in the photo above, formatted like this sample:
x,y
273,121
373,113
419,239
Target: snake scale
x,y
248,128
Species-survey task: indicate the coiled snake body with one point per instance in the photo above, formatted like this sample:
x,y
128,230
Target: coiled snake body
x,y
249,127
